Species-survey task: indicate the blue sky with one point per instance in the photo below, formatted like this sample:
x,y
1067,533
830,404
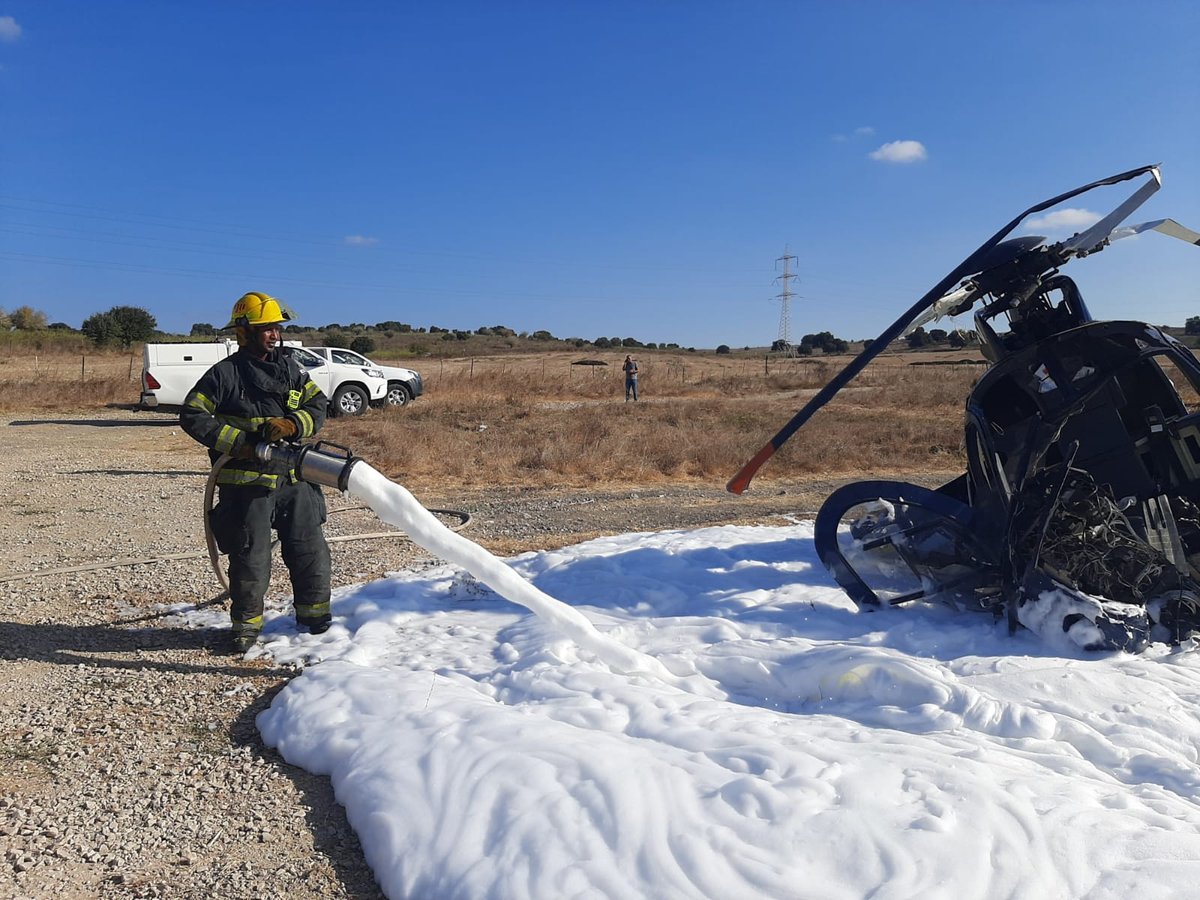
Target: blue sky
x,y
590,168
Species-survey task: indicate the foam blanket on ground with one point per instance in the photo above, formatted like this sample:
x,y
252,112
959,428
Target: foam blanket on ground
x,y
789,746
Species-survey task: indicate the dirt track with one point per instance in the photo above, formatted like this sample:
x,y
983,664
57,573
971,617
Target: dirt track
x,y
131,764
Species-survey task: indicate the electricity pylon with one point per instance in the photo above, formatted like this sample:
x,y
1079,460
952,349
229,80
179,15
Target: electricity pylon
x,y
784,342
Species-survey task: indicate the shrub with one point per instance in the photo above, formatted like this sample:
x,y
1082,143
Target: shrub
x,y
26,318
918,338
120,326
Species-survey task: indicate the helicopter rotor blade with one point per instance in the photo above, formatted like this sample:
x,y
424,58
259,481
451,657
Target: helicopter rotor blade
x,y
965,293
1098,235
969,266
1169,227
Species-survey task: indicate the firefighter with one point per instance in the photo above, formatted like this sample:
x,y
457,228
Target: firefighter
x,y
261,394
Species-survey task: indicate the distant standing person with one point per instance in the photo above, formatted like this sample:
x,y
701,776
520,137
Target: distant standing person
x,y
631,372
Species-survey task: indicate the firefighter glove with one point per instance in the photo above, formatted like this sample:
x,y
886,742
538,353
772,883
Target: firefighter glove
x,y
278,429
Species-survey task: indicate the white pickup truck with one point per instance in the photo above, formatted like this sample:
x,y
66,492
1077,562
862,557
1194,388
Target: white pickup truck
x,y
170,370
403,385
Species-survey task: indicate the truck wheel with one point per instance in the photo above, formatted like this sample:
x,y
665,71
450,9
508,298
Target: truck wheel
x,y
349,400
397,394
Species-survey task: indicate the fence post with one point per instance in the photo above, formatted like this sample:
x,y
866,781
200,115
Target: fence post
x,y
83,368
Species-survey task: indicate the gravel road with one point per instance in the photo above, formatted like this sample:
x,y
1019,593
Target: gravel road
x,y
131,766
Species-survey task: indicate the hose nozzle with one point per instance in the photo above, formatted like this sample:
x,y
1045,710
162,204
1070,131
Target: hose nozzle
x,y
313,462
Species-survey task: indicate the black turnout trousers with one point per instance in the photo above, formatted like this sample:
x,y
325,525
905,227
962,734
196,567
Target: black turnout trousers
x,y
242,522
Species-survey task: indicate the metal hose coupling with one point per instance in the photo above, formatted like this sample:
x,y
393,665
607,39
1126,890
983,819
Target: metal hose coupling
x,y
315,463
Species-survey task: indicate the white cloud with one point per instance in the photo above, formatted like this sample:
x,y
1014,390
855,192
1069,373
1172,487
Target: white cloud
x,y
9,29
1062,221
900,152
360,240
862,131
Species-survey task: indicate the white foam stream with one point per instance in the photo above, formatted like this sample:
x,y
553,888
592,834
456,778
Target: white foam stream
x,y
396,505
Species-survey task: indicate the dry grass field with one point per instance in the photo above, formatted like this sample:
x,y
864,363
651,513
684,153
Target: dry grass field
x,y
540,420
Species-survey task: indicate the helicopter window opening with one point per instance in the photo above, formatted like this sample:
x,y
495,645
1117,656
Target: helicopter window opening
x,y
1179,384
1050,311
1107,429
1007,403
1193,447
1147,459
1144,385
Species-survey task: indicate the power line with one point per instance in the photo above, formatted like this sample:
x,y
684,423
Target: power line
x,y
242,235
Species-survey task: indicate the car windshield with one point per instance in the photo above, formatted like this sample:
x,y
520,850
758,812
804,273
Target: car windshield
x,y
347,358
306,359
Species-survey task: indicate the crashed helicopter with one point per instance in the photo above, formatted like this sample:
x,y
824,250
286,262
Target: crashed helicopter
x,y
1079,510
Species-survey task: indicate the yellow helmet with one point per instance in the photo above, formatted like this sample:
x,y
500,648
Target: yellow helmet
x,y
256,308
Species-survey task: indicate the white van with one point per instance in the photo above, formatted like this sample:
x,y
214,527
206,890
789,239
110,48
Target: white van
x,y
169,371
